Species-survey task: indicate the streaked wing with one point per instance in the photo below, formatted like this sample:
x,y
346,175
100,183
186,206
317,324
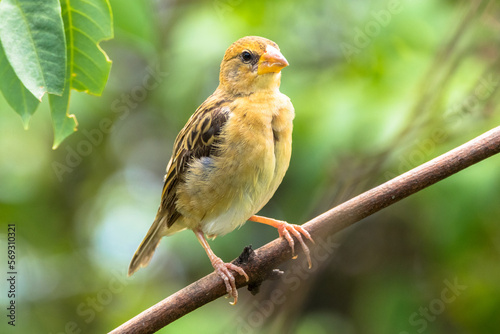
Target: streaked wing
x,y
197,139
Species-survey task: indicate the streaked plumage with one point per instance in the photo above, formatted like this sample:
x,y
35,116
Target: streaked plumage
x,y
230,157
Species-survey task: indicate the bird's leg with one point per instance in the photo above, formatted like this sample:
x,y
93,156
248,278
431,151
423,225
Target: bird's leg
x,y
222,268
284,230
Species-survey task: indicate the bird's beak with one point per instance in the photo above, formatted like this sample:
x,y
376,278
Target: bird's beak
x,y
272,61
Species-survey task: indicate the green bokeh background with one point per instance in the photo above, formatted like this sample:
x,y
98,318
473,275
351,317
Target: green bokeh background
x,y
378,86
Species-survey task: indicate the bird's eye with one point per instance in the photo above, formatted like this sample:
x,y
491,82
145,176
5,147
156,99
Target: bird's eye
x,y
246,56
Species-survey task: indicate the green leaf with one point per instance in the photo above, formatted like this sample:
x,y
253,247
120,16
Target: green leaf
x,y
14,92
63,123
86,23
32,35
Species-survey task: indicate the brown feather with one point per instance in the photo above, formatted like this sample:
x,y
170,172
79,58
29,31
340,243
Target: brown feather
x,y
199,138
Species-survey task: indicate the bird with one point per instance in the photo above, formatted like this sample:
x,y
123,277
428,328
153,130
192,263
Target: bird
x,y
229,158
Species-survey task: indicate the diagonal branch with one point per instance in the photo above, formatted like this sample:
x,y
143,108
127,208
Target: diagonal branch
x,y
263,260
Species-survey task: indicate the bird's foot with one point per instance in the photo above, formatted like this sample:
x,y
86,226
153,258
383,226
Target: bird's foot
x,y
286,230
223,270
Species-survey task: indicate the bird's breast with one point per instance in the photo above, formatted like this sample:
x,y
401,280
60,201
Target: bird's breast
x,y
259,136
252,157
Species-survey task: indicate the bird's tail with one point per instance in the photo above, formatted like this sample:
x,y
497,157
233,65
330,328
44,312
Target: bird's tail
x,y
146,249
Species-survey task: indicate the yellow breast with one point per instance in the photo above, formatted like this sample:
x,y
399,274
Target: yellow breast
x,y
222,191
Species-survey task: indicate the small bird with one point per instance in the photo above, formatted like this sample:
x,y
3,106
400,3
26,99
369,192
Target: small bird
x,y
229,158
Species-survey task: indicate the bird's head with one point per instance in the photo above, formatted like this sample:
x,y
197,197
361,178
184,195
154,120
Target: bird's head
x,y
251,64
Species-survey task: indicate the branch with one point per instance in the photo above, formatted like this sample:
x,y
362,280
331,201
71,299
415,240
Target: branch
x,y
262,261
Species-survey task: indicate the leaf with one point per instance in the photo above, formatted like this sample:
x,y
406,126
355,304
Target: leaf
x,y
14,92
32,35
63,123
86,23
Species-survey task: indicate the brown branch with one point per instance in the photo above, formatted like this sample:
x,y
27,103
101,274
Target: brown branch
x,y
262,262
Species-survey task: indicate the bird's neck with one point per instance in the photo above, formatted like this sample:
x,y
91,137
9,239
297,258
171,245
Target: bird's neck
x,y
265,83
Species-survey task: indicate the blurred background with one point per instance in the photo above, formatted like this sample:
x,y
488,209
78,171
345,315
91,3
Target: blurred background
x,y
379,87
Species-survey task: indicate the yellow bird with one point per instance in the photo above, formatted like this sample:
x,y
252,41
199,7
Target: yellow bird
x,y
229,158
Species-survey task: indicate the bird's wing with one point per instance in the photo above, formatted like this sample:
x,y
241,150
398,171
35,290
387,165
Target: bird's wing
x,y
197,139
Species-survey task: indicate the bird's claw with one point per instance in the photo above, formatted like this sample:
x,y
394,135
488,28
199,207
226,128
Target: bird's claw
x,y
284,230
223,270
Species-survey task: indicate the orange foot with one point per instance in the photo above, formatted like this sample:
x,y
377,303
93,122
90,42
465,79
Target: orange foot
x,y
221,268
284,230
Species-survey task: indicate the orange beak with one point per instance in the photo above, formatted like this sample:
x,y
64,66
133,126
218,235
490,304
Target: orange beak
x,y
272,61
